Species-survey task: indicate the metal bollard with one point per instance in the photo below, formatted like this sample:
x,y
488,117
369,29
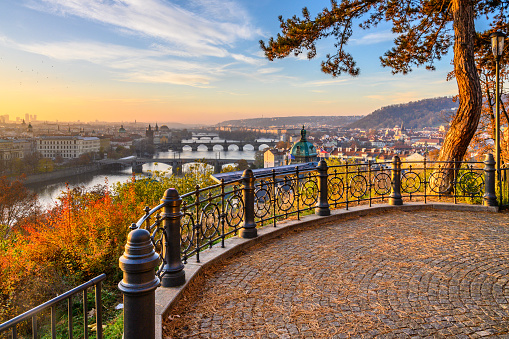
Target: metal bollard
x,y
174,274
395,197
138,285
490,196
248,229
322,205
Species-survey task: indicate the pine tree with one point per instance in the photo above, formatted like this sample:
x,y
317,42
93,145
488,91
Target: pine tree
x,y
425,30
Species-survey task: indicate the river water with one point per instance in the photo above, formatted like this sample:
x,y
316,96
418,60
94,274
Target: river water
x,y
48,192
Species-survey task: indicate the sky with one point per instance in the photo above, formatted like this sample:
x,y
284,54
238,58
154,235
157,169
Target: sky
x,y
186,61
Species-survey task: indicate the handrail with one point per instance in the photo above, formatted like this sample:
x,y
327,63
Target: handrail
x,y
34,311
211,213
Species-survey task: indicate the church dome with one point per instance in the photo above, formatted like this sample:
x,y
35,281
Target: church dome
x,y
303,150
121,129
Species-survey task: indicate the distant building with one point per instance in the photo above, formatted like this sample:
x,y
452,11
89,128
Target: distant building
x,y
14,149
68,147
303,151
428,142
273,158
149,134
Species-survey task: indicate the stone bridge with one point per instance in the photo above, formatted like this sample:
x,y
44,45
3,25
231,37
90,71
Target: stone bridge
x,y
218,145
176,164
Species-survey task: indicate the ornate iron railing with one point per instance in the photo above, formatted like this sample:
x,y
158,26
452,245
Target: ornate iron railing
x,y
207,216
182,226
32,315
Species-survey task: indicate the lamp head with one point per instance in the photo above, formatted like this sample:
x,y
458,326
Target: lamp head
x,y
497,44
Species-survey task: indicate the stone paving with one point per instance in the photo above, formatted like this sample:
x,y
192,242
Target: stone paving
x,y
393,275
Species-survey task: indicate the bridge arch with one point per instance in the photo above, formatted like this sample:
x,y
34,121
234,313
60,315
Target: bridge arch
x,y
202,148
263,147
218,148
233,147
248,147
187,148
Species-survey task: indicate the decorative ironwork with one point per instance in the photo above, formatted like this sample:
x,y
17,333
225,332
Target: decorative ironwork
x,y
336,188
382,183
209,221
285,195
358,186
263,199
471,183
234,212
440,182
309,190
411,182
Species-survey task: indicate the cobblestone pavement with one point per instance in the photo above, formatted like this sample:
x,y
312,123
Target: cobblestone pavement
x,y
399,274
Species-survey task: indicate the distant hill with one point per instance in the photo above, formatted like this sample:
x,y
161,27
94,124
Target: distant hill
x,y
415,114
291,122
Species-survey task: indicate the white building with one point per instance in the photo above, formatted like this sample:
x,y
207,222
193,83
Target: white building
x,y
68,147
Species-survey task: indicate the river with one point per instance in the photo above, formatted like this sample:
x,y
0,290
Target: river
x,y
48,192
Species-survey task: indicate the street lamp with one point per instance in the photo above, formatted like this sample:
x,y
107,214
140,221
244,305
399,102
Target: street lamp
x,y
497,47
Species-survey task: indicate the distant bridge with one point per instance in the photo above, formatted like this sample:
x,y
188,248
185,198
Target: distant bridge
x,y
217,145
176,164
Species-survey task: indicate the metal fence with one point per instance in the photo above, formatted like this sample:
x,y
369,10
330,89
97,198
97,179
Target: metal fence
x,y
11,326
181,226
207,216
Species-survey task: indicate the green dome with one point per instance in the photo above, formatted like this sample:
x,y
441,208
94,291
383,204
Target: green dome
x,y
121,129
303,150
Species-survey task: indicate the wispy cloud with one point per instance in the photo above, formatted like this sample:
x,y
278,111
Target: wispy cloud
x,y
319,83
128,63
248,60
269,70
198,33
374,38
170,77
181,42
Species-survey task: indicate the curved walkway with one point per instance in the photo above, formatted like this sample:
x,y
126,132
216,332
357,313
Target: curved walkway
x,y
397,274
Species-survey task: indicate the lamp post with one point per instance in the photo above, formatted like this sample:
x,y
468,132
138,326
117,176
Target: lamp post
x,y
497,47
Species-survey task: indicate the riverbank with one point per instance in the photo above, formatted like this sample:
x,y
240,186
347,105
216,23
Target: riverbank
x,y
62,174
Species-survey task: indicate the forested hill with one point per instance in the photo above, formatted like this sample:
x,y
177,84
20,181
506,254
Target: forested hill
x,y
415,114
295,121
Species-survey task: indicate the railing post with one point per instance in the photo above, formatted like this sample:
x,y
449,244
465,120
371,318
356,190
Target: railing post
x,y
248,229
138,285
173,269
322,205
395,197
490,196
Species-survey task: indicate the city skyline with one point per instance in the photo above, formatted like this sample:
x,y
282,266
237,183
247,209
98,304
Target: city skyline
x,y
192,62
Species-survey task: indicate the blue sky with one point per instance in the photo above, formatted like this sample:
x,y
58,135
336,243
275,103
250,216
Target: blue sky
x,y
189,61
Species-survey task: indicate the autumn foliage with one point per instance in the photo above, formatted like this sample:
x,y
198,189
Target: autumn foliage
x,y
80,238
66,246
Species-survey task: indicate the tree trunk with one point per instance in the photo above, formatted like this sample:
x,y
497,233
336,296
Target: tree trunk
x,y
465,122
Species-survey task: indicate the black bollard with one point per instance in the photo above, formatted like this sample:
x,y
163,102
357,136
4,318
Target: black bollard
x,y
173,269
322,205
138,285
490,196
248,229
395,197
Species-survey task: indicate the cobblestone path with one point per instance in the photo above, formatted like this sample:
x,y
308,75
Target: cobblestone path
x,y
399,274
